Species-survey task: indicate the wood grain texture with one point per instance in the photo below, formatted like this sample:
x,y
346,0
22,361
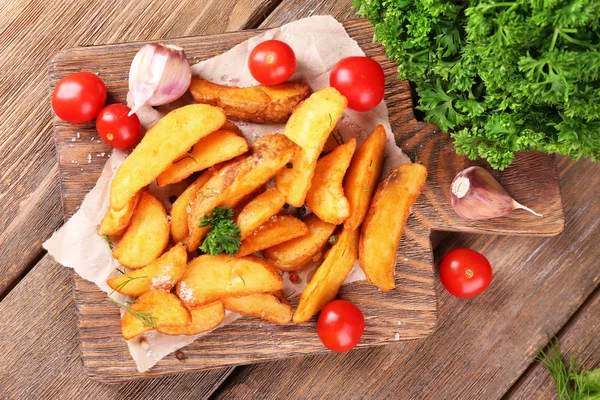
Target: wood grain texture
x,y
579,338
413,304
39,349
31,31
482,345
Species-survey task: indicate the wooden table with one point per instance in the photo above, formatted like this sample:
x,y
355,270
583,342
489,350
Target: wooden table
x,y
483,347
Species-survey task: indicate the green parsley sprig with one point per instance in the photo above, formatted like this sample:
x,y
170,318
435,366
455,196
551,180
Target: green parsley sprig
x,y
224,234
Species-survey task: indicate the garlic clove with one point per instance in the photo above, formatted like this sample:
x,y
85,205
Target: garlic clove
x,y
159,74
475,194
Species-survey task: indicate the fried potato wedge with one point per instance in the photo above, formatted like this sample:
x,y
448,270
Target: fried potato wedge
x,y
154,310
326,194
179,210
165,142
259,210
309,126
234,181
215,148
261,104
146,236
212,278
363,176
385,221
115,222
326,282
270,307
295,254
278,229
204,319
161,274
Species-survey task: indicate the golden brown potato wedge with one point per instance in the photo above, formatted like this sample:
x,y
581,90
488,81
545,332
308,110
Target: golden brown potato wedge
x,y
326,282
154,310
295,254
212,278
116,222
234,181
309,126
259,210
146,236
326,194
262,104
278,229
161,274
204,319
165,142
181,207
215,148
230,126
385,221
362,177
271,307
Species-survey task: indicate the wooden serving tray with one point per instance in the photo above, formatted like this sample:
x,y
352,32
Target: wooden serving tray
x,y
406,313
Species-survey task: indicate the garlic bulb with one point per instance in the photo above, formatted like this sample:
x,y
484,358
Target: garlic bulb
x,y
477,195
159,74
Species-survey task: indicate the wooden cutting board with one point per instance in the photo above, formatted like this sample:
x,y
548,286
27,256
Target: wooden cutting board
x,y
409,312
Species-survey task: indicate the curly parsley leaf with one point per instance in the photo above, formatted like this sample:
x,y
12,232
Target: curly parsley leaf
x,y
504,76
224,234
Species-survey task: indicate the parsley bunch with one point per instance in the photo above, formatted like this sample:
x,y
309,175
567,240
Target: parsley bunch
x,y
224,235
504,76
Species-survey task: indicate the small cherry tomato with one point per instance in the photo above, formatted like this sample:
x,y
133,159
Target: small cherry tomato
x,y
79,97
361,80
340,325
465,273
294,278
272,62
117,129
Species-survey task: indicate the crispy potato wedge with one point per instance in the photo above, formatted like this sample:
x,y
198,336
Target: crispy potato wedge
x,y
165,142
179,210
262,104
363,176
147,235
309,126
161,274
295,254
270,307
259,210
278,229
234,181
215,148
116,222
326,194
154,310
231,127
326,282
204,319
212,278
385,221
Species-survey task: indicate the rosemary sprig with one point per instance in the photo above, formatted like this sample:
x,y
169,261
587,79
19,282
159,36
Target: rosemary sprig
x,y
330,120
416,157
146,317
120,270
110,245
183,158
209,192
243,280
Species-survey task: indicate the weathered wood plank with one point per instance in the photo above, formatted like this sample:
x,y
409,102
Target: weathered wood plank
x,y
39,349
31,31
482,345
579,338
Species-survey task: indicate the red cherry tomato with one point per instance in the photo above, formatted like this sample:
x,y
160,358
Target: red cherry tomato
x,y
79,97
361,80
465,273
117,129
294,278
340,325
272,62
